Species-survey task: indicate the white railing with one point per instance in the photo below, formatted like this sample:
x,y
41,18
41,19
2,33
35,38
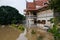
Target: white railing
x,y
39,17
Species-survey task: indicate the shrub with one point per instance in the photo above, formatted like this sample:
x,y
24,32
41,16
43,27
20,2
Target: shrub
x,y
54,29
21,27
52,20
14,25
55,32
33,32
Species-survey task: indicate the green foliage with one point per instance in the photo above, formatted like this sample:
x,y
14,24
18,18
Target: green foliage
x,y
55,5
33,32
9,15
55,20
14,25
21,27
52,20
54,29
55,32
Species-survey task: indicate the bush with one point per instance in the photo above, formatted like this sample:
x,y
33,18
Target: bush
x,y
14,25
33,32
21,27
54,29
55,32
52,20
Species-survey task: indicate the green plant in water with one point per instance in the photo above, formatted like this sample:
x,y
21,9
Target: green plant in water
x,y
21,27
33,32
14,25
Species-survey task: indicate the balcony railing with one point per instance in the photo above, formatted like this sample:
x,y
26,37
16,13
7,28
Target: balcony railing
x,y
33,25
31,16
39,16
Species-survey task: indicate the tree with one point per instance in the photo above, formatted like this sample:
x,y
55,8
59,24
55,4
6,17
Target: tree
x,y
9,15
55,6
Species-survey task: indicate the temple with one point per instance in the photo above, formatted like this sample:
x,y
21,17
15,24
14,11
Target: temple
x,y
38,13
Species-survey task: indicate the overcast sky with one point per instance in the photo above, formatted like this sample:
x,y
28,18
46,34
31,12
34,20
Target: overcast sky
x,y
18,4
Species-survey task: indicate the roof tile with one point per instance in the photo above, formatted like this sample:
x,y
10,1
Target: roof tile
x,y
32,5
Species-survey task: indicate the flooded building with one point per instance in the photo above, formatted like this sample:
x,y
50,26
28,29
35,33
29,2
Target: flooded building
x,y
38,14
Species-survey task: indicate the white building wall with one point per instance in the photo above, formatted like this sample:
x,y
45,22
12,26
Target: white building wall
x,y
29,21
45,15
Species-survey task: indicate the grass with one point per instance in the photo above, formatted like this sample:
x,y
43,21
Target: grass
x,y
9,33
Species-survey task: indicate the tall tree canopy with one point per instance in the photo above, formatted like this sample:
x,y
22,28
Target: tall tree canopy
x,y
9,15
55,5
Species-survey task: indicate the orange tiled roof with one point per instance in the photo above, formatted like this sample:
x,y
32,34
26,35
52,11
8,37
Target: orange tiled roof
x,y
32,5
39,3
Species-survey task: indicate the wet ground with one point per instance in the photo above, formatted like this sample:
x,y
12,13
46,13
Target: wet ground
x,y
22,36
8,33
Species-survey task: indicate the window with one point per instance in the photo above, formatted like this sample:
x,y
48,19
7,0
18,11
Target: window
x,y
35,21
43,21
38,21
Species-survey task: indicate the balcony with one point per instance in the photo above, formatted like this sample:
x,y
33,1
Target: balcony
x,y
31,16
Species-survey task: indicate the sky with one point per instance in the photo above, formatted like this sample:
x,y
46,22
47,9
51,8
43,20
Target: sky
x,y
20,5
